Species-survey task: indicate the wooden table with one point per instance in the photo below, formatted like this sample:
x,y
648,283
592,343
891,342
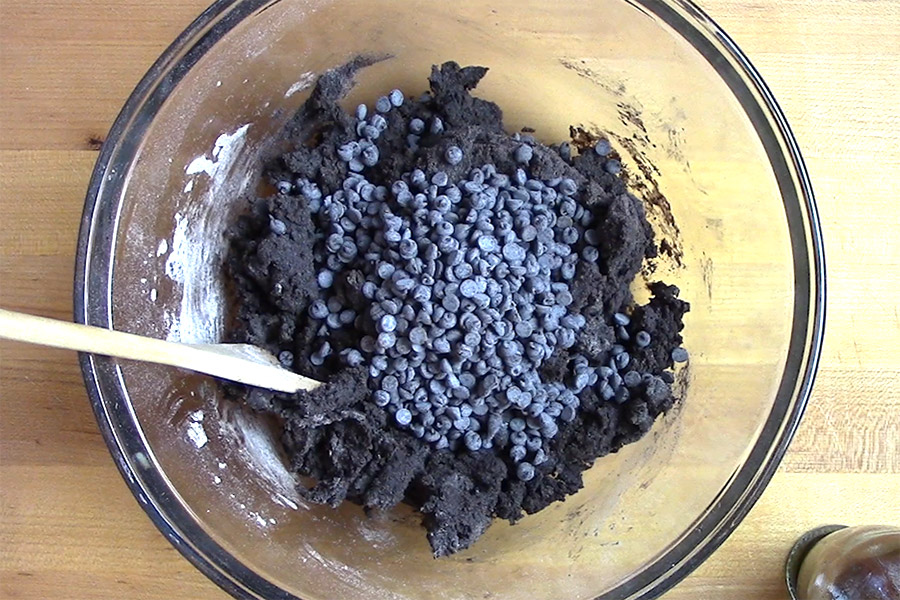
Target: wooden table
x,y
69,527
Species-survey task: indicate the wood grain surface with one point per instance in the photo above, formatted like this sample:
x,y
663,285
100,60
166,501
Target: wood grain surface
x,y
69,527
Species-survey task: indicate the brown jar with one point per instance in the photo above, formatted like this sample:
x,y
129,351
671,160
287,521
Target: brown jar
x,y
853,563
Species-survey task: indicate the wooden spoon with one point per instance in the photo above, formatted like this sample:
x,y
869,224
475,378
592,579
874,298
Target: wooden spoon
x,y
243,363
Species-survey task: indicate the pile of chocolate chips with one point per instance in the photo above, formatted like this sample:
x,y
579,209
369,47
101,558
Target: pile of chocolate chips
x,y
465,294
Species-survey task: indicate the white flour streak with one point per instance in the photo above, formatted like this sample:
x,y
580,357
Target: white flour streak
x,y
226,148
301,84
195,429
194,261
201,164
255,446
180,250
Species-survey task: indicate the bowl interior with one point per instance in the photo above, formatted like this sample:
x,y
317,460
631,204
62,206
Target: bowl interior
x,y
694,153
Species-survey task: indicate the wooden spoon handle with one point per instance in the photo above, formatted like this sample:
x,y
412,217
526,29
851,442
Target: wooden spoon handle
x,y
220,360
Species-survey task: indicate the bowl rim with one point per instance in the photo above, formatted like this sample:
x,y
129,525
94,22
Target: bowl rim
x,y
126,443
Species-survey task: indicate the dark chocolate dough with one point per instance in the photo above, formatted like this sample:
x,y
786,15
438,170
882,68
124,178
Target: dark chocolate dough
x,y
336,435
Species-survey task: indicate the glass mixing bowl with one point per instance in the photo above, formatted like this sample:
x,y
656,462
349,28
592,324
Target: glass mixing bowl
x,y
706,148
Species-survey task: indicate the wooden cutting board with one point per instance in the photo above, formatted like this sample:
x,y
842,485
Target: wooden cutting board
x,y
69,527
